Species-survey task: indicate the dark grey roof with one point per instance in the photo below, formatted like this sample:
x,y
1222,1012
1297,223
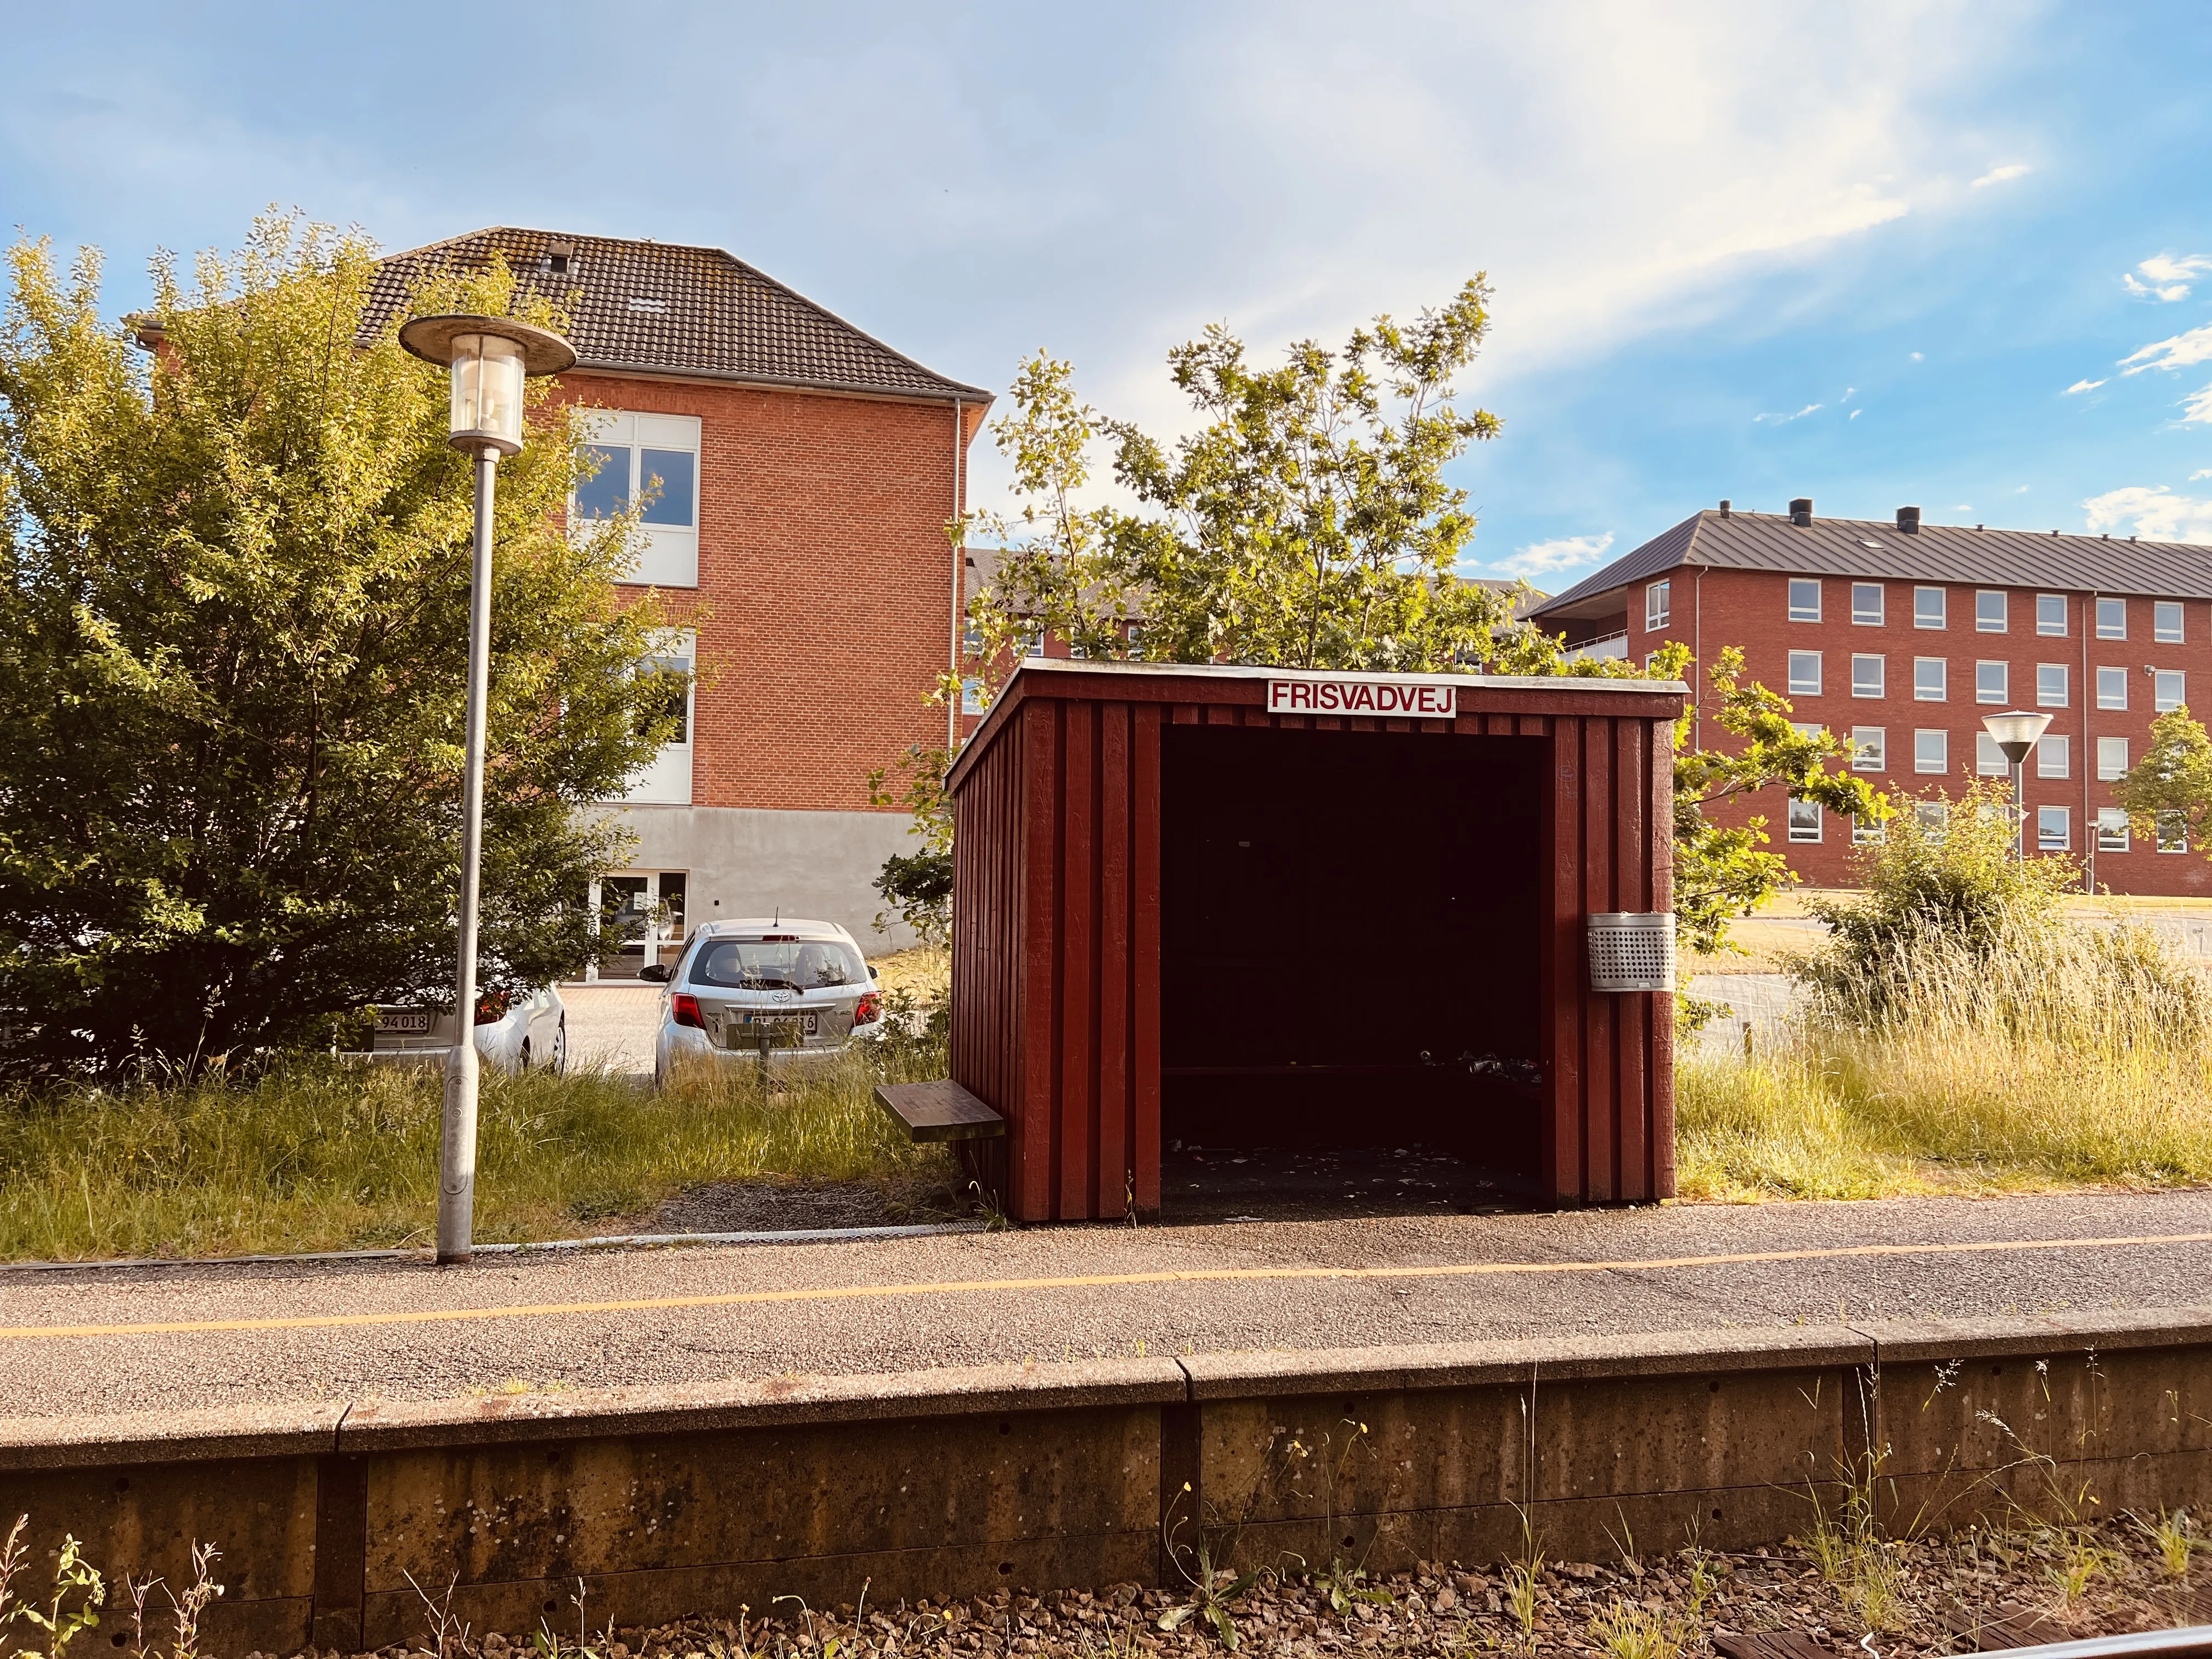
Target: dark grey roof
x,y
1936,553
661,308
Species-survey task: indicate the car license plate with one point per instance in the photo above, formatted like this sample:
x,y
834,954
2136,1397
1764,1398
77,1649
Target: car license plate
x,y
745,1031
403,1022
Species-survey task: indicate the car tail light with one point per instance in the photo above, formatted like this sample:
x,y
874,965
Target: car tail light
x,y
685,1008
870,1009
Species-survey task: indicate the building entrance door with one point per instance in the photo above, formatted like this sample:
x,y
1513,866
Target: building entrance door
x,y
644,909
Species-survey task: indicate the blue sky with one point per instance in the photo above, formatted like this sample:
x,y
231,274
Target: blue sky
x,y
1859,253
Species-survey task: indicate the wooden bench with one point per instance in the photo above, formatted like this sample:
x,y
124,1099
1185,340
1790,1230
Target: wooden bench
x,y
940,1111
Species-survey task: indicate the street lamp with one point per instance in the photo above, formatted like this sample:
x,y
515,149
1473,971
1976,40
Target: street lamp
x,y
489,357
2015,732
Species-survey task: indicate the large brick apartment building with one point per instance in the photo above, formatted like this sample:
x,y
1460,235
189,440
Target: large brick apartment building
x,y
1900,636
806,473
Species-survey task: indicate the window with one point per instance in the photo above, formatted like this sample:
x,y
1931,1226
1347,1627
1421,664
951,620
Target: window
x,y
2111,619
1990,680
2173,833
2111,829
1804,673
1804,820
1807,728
2112,759
1135,635
1866,603
1989,612
2054,758
1034,646
1927,607
2054,829
2051,614
666,780
971,695
2050,685
1931,752
2165,692
1867,675
1934,817
1930,679
2166,620
1804,600
2111,688
1864,832
1658,605
652,460
1988,759
1869,749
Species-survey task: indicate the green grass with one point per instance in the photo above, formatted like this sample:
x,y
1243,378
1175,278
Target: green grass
x,y
315,1154
2070,1057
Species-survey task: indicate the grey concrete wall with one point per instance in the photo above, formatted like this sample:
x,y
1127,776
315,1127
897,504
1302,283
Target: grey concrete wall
x,y
747,862
695,1499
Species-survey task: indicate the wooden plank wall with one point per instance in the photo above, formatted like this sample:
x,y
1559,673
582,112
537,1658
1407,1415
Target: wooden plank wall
x,y
1056,1018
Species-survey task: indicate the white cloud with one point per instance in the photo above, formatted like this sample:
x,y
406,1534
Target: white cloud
x,y
1919,356
2081,386
2159,513
2201,472
1784,420
2199,406
2177,351
1998,175
2168,278
1856,413
1561,553
2023,490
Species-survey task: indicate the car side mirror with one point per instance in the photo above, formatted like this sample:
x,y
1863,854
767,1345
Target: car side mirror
x,y
655,971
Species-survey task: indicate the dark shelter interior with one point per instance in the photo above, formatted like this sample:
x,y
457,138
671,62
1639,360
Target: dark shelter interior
x,y
1349,974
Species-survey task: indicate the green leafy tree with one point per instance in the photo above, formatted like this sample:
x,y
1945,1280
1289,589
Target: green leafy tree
x,y
2172,782
233,624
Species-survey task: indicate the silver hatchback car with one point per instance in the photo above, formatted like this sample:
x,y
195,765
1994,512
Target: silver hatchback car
x,y
777,990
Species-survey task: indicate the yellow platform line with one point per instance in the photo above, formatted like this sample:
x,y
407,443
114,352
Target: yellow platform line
x,y
1083,1281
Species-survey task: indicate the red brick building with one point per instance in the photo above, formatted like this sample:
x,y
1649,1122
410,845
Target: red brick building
x,y
805,473
1900,636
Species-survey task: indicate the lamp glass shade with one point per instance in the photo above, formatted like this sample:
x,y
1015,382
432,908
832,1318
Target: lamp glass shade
x,y
487,374
2015,732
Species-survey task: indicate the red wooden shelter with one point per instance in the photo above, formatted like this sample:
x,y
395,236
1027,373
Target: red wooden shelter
x,y
1237,904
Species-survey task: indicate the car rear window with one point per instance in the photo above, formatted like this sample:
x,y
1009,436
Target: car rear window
x,y
777,964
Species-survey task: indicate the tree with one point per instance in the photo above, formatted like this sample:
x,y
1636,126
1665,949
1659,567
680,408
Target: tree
x,y
1307,524
2171,785
233,622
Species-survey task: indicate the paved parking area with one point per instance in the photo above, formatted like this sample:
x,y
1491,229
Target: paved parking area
x,y
612,1025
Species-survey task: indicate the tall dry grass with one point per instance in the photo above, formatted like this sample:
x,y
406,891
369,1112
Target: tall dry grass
x,y
2036,1052
314,1154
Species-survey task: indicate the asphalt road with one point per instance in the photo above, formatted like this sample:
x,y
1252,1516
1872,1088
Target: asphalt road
x,y
76,1342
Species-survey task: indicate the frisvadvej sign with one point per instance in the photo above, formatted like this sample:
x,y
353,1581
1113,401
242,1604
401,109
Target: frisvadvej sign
x,y
1404,699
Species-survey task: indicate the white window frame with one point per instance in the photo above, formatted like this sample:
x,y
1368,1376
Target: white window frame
x,y
2051,625
2004,693
1867,615
2054,757
1869,749
1934,817
1878,677
1658,605
2111,619
2172,832
661,555
2169,689
666,780
2045,817
1938,763
971,694
1931,679
1803,687
2111,681
2165,622
2112,759
1934,615
1804,613
1810,829
2051,686
1988,759
2112,829
1992,619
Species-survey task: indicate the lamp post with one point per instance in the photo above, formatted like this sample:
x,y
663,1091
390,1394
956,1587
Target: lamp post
x,y
2015,732
489,357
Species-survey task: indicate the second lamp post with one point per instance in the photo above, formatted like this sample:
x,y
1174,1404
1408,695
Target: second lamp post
x,y
489,358
2015,732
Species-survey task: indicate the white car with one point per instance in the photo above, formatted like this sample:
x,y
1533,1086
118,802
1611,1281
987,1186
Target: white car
x,y
514,1034
773,990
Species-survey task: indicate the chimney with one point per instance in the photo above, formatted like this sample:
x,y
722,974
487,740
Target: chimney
x,y
1908,520
1801,511
1725,508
